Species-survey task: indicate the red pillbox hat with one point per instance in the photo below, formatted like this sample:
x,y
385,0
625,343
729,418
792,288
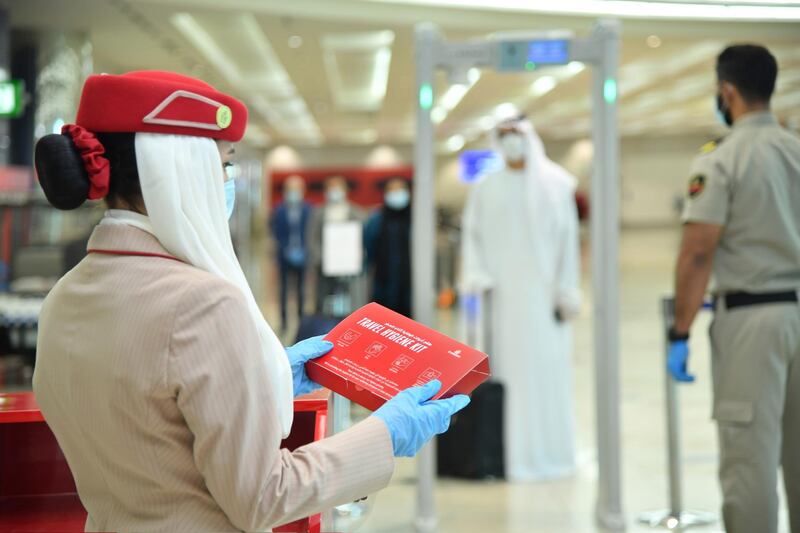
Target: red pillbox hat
x,y
159,102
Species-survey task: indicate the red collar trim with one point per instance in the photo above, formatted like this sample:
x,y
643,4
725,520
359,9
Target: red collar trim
x,y
129,252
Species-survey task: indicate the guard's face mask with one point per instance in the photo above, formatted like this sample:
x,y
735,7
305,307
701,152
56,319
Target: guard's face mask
x,y
513,147
722,112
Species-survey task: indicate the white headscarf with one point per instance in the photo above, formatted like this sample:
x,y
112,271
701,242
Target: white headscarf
x,y
182,184
546,185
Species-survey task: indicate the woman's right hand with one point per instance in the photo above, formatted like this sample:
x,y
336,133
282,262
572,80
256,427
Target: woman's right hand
x,y
413,418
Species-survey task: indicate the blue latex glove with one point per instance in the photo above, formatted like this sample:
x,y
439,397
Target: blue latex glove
x,y
677,360
413,418
299,355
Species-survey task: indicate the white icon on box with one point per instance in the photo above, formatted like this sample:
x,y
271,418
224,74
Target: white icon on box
x,y
349,337
375,349
455,353
428,375
403,362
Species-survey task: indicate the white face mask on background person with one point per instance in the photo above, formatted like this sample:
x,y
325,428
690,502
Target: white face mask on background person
x,y
294,196
335,195
513,147
397,199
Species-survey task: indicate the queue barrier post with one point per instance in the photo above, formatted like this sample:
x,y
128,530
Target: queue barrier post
x,y
675,517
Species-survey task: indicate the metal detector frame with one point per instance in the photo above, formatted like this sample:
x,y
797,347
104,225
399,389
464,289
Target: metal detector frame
x,y
600,50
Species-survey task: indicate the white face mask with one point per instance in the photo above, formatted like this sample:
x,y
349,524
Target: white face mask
x,y
294,196
397,199
513,147
335,195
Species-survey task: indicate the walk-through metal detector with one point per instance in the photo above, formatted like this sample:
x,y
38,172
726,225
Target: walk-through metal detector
x,y
521,52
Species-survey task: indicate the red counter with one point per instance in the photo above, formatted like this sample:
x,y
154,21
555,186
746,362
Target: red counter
x,y
37,491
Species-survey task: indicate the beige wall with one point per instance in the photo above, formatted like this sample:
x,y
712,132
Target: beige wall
x,y
285,157
655,173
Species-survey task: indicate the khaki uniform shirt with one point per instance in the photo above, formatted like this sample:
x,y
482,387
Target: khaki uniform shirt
x,y
750,184
149,374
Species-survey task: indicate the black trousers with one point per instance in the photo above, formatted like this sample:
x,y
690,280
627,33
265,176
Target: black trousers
x,y
291,275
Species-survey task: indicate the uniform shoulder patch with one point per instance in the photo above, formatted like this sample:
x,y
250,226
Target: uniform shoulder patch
x,y
710,146
697,185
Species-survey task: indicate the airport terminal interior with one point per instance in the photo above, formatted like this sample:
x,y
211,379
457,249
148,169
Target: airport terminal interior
x,y
374,126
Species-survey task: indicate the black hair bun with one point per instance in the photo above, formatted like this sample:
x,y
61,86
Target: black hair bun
x,y
61,172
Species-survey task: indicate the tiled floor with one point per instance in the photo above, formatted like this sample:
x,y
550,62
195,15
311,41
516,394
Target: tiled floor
x,y
568,505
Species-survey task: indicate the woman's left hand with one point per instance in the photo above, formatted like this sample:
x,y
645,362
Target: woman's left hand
x,y
299,355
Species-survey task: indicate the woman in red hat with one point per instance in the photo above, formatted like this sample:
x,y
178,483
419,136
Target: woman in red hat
x,y
167,390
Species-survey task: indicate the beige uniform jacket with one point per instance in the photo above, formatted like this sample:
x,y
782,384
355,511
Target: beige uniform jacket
x,y
149,374
750,184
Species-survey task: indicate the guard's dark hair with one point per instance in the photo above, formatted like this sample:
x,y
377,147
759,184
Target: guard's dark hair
x,y
751,68
65,181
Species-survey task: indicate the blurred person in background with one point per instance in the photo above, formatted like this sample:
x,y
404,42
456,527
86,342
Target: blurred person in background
x,y
742,224
290,229
521,241
336,209
387,242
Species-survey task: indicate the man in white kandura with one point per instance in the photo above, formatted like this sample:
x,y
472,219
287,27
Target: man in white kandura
x,y
521,241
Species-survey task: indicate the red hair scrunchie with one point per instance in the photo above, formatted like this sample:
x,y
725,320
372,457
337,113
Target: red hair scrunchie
x,y
91,150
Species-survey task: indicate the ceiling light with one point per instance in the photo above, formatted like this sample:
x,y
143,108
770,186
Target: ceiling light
x,y
641,74
366,136
200,38
543,85
295,41
455,143
473,135
751,10
272,73
486,123
453,96
438,114
347,56
653,41
380,73
506,111
575,67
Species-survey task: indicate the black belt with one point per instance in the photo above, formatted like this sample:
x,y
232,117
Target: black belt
x,y
744,299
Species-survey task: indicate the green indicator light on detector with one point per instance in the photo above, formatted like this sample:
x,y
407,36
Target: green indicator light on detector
x,y
530,65
426,96
610,90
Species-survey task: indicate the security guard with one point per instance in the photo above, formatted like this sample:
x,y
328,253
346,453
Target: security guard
x,y
742,221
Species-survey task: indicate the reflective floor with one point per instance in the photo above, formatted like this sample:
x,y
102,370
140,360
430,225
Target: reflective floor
x,y
568,505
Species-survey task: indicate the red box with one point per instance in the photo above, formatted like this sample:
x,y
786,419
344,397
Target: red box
x,y
378,353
